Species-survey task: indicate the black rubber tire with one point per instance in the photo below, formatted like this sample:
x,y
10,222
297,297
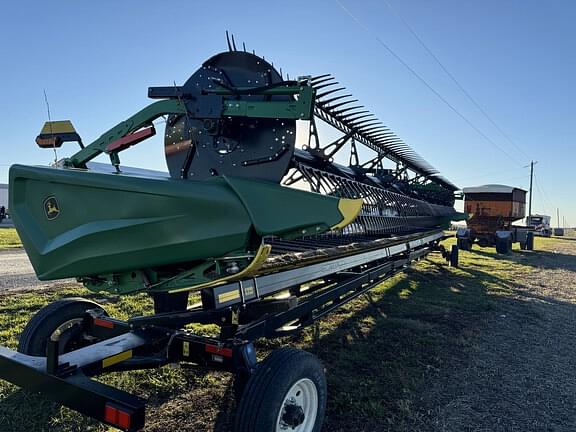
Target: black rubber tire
x,y
454,256
41,326
530,241
262,399
464,244
503,245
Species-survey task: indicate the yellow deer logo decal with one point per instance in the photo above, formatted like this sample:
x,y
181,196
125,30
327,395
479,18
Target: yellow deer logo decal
x,y
51,208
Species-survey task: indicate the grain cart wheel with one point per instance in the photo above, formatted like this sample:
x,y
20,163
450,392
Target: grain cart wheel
x,y
286,393
454,256
503,245
65,315
530,241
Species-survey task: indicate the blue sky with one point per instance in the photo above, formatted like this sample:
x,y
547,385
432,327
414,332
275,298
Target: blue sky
x,y
516,58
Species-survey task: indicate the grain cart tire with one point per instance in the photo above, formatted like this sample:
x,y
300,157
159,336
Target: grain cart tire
x,y
67,315
454,256
464,244
503,245
286,393
530,241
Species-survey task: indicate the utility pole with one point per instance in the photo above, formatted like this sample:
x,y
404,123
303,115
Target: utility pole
x,y
530,200
558,217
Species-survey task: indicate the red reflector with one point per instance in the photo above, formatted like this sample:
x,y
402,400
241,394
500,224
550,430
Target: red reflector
x,y
116,416
103,323
213,349
123,419
110,414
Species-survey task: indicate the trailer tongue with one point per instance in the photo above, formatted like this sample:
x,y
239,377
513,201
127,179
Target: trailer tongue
x,y
245,214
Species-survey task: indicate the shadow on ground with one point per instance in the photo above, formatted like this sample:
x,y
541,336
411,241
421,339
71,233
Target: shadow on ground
x,y
552,260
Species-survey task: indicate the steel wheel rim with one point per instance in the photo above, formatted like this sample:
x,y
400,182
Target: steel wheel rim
x,y
302,394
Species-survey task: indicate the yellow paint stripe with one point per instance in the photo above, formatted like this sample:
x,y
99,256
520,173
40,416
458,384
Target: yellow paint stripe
x,y
228,296
259,259
186,349
107,362
349,209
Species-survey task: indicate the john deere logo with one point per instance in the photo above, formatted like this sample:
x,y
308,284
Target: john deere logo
x,y
51,208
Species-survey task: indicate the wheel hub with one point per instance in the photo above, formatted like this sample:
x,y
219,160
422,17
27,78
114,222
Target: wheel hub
x,y
299,408
293,415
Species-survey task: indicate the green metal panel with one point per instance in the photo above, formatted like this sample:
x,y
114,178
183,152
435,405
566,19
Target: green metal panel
x,y
81,223
284,211
111,223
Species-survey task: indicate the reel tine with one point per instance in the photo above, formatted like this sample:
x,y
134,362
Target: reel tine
x,y
336,113
228,41
338,105
365,122
325,85
365,131
320,96
352,119
318,77
320,81
344,118
327,101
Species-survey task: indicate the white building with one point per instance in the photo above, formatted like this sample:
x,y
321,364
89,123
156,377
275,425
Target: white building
x,y
4,195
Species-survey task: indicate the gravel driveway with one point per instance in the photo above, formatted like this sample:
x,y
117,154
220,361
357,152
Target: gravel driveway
x,y
17,274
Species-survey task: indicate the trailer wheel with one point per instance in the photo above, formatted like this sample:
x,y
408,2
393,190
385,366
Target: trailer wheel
x,y
66,315
286,393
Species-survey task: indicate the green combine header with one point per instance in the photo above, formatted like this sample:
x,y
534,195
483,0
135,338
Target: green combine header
x,y
271,233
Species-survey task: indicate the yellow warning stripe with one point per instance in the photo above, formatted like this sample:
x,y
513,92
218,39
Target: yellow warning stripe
x,y
259,259
228,296
107,362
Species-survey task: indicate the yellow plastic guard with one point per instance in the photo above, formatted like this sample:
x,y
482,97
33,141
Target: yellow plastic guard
x,y
349,208
58,127
259,259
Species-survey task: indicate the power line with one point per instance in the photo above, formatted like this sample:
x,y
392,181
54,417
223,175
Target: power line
x,y
423,81
524,177
453,78
489,175
544,194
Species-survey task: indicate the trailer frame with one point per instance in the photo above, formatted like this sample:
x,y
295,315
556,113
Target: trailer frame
x,y
245,310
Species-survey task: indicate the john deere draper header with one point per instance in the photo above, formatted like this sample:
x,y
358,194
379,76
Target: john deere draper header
x,y
239,195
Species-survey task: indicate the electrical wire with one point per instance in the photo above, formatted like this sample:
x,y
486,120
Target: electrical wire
x,y
423,81
543,193
453,78
51,131
488,175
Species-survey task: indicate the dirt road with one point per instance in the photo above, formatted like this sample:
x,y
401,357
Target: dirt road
x,y
519,371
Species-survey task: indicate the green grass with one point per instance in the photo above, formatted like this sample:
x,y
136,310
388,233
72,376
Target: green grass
x,y
9,238
378,350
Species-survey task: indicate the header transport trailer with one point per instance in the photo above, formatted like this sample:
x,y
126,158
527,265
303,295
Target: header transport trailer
x,y
492,209
267,235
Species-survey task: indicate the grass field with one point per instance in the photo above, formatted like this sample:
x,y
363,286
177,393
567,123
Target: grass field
x,y
9,238
384,353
